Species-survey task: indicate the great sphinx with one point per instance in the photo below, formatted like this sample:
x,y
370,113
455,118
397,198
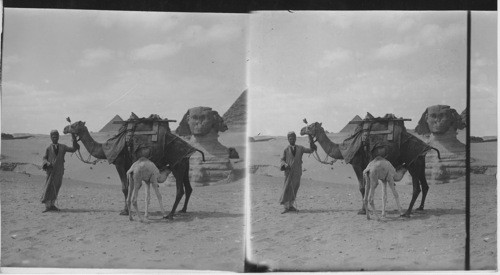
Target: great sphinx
x,y
200,126
438,126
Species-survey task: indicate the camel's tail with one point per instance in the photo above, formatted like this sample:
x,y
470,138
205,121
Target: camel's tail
x,y
202,154
439,154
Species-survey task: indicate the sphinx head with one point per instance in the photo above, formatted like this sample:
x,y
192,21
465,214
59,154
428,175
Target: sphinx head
x,y
438,120
200,121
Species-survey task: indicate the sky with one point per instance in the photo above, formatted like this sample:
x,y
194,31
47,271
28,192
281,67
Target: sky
x,y
92,65
330,66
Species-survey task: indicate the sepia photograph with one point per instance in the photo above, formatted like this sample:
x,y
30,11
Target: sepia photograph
x,y
341,101
98,107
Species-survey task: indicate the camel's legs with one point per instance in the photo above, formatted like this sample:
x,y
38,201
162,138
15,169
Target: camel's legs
x,y
122,172
365,197
373,186
384,198
147,199
158,195
423,182
396,195
128,200
188,190
179,175
187,187
359,175
416,191
137,187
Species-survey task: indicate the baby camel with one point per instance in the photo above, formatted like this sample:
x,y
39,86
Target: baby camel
x,y
381,169
144,170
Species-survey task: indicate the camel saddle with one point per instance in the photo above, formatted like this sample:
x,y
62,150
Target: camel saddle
x,y
148,137
381,136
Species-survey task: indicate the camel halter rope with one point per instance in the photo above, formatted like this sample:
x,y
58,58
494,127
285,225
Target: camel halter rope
x,y
78,153
315,154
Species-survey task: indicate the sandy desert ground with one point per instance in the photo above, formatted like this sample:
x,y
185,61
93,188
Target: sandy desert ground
x,y
327,233
89,232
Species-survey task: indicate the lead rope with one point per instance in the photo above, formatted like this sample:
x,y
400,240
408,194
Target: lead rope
x,y
80,157
316,155
79,154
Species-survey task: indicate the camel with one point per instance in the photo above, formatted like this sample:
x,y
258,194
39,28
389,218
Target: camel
x,y
381,169
144,170
123,162
411,154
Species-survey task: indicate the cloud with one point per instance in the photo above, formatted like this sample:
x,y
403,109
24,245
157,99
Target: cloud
x,y
143,20
17,89
479,61
335,57
434,35
155,51
430,35
405,25
220,32
11,59
400,21
197,35
394,51
97,56
26,108
341,21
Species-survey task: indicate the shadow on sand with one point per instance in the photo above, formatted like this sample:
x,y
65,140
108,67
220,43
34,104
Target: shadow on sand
x,y
73,210
418,215
190,216
394,214
315,211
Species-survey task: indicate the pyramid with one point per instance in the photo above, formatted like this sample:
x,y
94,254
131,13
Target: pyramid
x,y
236,116
349,128
110,127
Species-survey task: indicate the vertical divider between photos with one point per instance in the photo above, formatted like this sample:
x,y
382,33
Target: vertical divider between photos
x,y
467,148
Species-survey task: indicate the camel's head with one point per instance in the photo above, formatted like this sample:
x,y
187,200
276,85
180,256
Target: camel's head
x,y
312,129
75,128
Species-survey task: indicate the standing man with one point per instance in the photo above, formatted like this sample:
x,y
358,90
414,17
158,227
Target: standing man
x,y
291,163
53,164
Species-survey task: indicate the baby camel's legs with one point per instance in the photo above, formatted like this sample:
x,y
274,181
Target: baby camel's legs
x,y
373,186
128,201
384,198
137,186
366,182
396,196
147,199
158,195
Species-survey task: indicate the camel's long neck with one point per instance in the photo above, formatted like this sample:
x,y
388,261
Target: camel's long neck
x,y
331,148
92,146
